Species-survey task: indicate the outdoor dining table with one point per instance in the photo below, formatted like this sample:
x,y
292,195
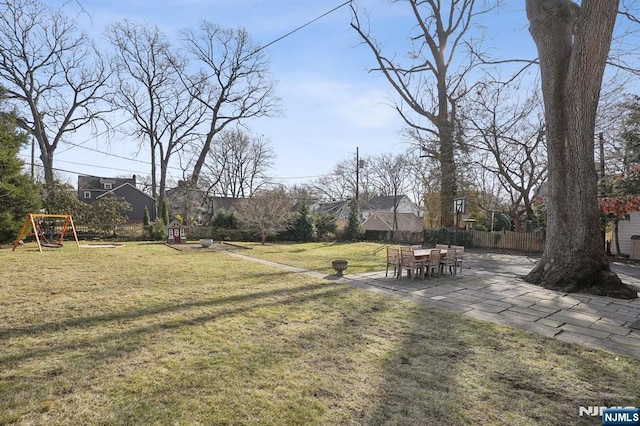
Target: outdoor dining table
x,y
426,253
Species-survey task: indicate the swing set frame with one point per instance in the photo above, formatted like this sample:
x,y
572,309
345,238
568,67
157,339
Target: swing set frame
x,y
33,220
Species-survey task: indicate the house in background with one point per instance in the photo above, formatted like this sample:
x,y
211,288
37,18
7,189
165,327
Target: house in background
x,y
93,188
384,222
626,230
194,205
408,214
340,209
385,203
214,204
188,202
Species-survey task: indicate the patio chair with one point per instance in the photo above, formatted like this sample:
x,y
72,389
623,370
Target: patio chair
x,y
449,261
434,262
416,247
442,246
459,256
409,262
393,258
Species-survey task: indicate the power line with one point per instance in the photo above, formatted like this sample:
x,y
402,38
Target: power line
x,y
137,172
298,29
88,165
114,155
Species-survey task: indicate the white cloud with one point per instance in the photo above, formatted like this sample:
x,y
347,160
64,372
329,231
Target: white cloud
x,y
356,105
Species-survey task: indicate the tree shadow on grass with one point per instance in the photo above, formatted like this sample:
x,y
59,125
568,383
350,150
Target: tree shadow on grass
x,y
98,320
454,370
113,340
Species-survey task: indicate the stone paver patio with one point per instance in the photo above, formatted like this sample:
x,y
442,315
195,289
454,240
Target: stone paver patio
x,y
489,289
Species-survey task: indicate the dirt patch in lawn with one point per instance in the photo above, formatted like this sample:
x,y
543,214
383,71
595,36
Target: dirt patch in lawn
x,y
101,245
216,246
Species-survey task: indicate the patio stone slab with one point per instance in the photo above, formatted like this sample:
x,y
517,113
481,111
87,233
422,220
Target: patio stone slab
x,y
529,312
569,320
634,334
549,323
467,297
544,309
611,321
579,315
519,315
625,340
527,298
622,331
618,315
482,306
586,331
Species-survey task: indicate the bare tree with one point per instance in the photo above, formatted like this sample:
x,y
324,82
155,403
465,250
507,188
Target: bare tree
x,y
572,55
191,202
303,193
266,213
611,126
51,72
333,187
486,189
233,84
340,184
509,135
390,177
165,115
418,176
431,85
237,164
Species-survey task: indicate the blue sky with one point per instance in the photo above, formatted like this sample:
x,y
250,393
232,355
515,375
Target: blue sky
x,y
331,103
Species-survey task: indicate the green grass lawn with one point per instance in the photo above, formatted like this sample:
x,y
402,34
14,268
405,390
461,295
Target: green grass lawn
x,y
145,334
363,257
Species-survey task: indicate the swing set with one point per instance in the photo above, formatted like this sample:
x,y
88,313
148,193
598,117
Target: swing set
x,y
35,220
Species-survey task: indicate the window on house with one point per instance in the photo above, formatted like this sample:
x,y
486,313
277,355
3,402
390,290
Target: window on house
x,y
107,186
87,194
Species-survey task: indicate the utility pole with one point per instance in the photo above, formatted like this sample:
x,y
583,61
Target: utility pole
x,y
358,176
33,150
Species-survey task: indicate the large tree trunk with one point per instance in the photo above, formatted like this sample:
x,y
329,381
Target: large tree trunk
x,y
154,173
445,122
448,186
572,57
47,162
162,191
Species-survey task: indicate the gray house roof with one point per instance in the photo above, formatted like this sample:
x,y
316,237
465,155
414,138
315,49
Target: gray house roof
x,y
93,188
382,202
138,200
339,208
226,203
386,202
383,221
98,185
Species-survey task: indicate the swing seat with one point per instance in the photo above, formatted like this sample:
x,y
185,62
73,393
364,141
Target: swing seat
x,y
51,245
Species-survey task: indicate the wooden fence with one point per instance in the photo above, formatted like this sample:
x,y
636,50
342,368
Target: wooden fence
x,y
408,237
125,231
137,232
520,241
507,240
